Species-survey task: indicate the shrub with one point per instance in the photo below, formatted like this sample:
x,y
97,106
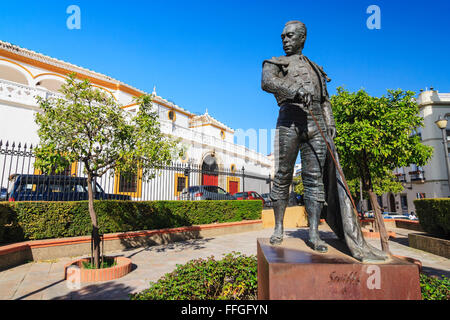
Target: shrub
x,y
434,216
232,278
46,220
434,289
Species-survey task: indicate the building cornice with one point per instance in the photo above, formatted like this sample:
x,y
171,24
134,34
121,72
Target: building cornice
x,y
63,68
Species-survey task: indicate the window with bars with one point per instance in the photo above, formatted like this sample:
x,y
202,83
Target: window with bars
x,y
128,182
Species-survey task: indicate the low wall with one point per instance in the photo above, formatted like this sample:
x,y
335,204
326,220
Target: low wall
x,y
438,246
294,217
18,253
408,224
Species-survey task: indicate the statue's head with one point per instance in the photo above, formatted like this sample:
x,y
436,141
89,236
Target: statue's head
x,y
294,37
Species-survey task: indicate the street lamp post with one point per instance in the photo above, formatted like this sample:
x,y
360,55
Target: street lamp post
x,y
442,124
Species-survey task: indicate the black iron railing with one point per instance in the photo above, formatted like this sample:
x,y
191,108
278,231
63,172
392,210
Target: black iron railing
x,y
20,180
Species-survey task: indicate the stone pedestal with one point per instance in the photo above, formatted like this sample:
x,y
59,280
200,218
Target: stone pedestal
x,y
292,271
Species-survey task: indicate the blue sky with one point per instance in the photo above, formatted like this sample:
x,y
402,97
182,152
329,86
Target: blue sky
x,y
208,54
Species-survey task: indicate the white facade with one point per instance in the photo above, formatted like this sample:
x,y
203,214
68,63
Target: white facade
x,y
25,74
430,181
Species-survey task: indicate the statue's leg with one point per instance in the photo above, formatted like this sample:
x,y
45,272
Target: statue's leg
x,y
314,209
279,207
286,151
313,152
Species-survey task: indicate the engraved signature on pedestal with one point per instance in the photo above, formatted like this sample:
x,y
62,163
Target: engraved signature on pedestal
x,y
351,278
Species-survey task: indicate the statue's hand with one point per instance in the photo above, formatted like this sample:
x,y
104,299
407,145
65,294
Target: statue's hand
x,y
304,97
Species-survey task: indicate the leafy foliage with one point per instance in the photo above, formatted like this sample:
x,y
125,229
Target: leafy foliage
x,y
434,216
374,136
88,125
232,278
47,220
298,189
433,288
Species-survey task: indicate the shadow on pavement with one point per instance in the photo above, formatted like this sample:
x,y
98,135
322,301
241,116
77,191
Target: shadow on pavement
x,y
304,234
39,290
404,241
435,272
195,244
99,291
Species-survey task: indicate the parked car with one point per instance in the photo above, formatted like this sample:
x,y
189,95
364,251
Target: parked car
x,y
27,187
267,199
249,195
205,193
3,193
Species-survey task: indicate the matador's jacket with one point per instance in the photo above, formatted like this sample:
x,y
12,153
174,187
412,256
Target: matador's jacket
x,y
288,78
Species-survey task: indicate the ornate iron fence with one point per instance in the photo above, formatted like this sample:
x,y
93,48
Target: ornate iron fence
x,y
17,163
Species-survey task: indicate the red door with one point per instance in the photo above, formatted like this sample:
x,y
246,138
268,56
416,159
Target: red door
x,y
233,187
210,180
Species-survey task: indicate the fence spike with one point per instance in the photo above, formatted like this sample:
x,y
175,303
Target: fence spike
x,y
13,144
25,146
7,143
19,145
1,143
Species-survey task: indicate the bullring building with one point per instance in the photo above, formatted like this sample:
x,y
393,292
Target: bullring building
x,y
25,74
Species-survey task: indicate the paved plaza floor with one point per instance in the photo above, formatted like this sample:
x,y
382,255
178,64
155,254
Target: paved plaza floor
x,y
44,280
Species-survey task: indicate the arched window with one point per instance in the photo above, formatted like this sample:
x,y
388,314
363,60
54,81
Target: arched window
x,y
12,74
53,85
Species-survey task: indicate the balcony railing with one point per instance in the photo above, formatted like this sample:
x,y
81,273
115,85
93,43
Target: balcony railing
x,y
417,176
400,177
22,94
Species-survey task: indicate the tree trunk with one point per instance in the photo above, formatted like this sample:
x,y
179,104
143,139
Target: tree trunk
x,y
379,222
95,233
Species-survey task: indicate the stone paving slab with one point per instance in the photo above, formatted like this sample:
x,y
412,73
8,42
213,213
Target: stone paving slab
x,y
44,280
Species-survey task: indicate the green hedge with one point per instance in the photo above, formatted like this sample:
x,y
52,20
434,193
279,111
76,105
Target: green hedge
x,y
434,216
235,277
21,221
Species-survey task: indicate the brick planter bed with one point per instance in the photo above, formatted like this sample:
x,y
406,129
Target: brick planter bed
x,y
122,268
428,243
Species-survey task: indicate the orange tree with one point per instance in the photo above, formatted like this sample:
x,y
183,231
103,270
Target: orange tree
x,y
89,126
375,136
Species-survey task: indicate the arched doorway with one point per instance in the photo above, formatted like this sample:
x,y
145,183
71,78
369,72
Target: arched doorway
x,y
210,171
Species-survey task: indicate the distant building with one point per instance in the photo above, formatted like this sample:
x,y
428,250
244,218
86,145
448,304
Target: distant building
x,y
297,169
25,74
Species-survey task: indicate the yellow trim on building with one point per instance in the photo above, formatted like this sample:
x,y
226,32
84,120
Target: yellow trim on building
x,y
137,194
210,124
49,74
19,65
179,175
174,115
233,179
73,170
64,71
